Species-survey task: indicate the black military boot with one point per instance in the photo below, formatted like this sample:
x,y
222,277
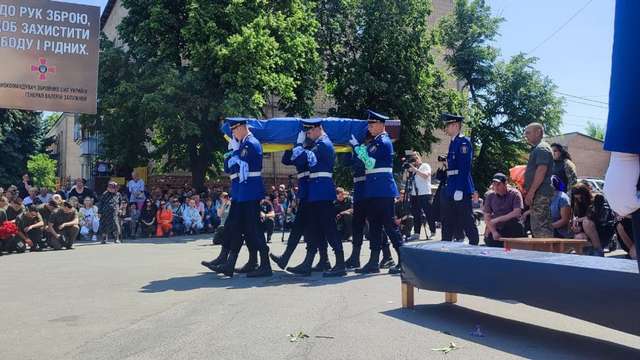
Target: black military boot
x,y
305,267
228,267
387,260
283,259
323,264
265,265
221,259
373,265
398,268
354,260
251,265
339,269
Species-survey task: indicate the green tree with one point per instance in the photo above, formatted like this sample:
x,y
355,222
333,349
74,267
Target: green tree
x,y
595,130
378,56
190,63
43,170
502,96
21,134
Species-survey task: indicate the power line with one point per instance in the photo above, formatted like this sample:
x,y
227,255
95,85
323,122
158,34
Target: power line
x,y
586,117
588,104
561,27
582,98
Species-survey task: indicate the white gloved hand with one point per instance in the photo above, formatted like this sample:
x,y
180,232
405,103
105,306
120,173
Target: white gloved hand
x,y
301,137
620,183
234,145
353,141
457,196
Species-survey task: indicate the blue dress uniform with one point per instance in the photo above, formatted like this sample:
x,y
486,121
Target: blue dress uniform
x,y
380,192
322,193
623,125
300,223
244,166
458,213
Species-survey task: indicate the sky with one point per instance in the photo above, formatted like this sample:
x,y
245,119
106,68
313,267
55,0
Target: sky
x,y
571,38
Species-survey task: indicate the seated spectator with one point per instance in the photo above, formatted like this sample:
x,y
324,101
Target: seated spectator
x,y
131,221
148,218
44,196
592,219
624,229
123,214
164,218
89,221
15,209
32,198
344,214
73,200
192,219
178,207
560,210
477,204
30,228
80,191
267,217
63,227
502,211
211,219
4,204
403,217
23,188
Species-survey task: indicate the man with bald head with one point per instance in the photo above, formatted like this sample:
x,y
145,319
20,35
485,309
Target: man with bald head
x,y
537,181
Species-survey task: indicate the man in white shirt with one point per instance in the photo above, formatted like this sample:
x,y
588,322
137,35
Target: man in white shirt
x,y
421,197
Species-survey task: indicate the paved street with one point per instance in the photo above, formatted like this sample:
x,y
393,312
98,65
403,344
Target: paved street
x,y
152,300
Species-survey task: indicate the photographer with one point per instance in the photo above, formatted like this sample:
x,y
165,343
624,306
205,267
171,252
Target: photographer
x,y
419,174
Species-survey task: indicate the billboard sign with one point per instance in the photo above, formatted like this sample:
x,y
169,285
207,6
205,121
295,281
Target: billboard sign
x,y
49,53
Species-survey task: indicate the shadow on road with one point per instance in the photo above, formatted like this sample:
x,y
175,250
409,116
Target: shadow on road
x,y
511,336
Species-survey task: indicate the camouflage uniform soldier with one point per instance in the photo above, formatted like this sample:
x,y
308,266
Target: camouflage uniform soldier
x,y
537,181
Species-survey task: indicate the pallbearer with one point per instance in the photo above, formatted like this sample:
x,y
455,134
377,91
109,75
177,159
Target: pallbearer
x,y
245,166
380,192
322,192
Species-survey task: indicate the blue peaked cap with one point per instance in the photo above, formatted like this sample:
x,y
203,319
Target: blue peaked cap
x,y
308,124
233,122
372,115
449,118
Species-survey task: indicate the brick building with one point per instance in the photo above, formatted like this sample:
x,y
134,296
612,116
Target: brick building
x,y
587,153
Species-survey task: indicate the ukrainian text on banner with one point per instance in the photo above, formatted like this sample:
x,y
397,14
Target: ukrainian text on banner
x,y
49,53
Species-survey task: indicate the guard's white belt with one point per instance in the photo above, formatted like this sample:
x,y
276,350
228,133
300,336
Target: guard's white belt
x,y
359,179
452,172
320,174
302,174
379,170
251,174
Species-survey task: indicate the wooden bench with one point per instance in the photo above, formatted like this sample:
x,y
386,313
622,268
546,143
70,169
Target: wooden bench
x,y
604,291
554,245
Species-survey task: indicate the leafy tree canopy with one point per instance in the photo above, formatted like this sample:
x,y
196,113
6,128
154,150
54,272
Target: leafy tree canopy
x,y
21,134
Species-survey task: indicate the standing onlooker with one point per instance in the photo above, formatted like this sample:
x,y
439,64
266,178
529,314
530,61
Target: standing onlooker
x,y
421,197
560,210
89,222
502,210
80,191
267,217
108,211
563,167
136,190
537,181
24,186
131,221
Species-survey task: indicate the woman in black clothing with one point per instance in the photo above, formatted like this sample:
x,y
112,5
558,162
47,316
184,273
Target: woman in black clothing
x,y
148,217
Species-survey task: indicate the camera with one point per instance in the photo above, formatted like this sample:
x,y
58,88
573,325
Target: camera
x,y
442,158
408,161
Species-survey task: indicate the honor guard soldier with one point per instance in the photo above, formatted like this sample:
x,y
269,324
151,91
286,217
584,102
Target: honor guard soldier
x,y
459,187
244,165
380,192
622,183
299,226
322,193
358,167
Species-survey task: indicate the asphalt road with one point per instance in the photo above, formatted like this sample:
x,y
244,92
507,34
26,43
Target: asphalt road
x,y
151,299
